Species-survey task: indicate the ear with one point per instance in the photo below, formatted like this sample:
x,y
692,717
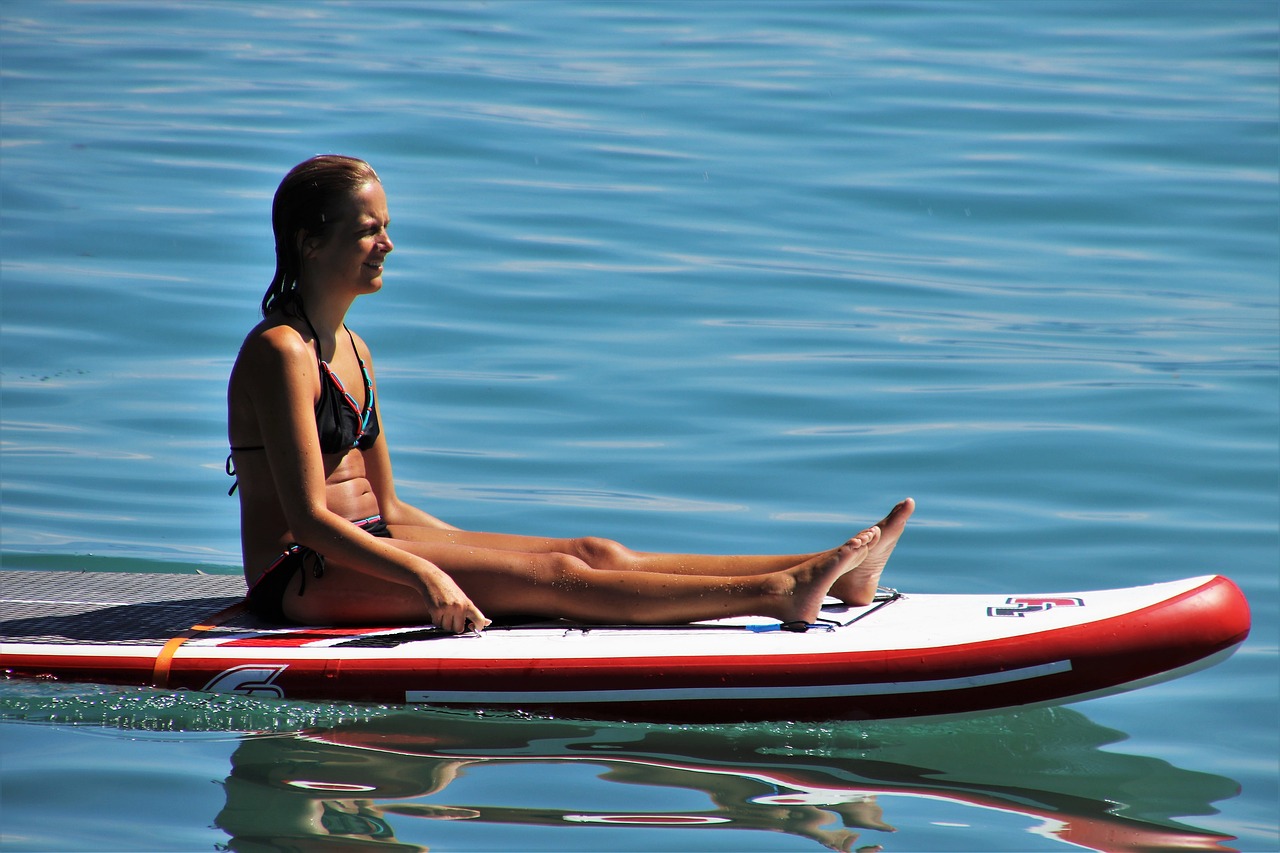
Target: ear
x,y
306,243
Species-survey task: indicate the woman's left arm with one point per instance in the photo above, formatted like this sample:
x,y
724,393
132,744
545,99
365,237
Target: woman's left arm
x,y
377,466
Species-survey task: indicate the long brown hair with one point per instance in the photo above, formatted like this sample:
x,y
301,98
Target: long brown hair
x,y
307,202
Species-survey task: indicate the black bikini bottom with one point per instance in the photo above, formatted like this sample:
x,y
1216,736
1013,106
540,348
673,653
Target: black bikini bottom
x,y
266,596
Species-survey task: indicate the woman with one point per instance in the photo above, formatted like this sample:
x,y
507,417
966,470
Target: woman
x,y
325,538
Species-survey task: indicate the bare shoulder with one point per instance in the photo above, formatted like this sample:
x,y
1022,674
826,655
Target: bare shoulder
x,y
273,352
273,341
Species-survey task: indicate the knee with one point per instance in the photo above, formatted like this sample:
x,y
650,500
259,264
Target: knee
x,y
605,554
557,569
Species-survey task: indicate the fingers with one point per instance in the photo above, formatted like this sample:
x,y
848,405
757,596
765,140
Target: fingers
x,y
461,619
475,623
449,607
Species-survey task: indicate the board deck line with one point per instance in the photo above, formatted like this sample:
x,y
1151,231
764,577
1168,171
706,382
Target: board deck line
x,y
660,694
65,601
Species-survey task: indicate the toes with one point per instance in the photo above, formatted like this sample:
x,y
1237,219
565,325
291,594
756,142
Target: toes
x,y
866,538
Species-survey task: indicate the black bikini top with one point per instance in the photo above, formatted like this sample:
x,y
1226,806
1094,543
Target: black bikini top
x,y
341,423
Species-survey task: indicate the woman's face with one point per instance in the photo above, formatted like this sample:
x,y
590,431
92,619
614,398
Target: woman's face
x,y
357,243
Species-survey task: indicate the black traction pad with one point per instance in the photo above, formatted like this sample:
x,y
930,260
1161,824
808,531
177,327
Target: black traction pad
x,y
116,608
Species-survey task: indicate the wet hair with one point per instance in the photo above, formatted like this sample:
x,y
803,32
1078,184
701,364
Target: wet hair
x,y
307,202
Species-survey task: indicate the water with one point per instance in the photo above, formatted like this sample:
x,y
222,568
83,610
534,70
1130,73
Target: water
x,y
720,277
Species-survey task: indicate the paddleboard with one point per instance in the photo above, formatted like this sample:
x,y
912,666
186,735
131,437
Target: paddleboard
x,y
905,655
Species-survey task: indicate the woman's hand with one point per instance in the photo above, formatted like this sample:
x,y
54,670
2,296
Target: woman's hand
x,y
449,606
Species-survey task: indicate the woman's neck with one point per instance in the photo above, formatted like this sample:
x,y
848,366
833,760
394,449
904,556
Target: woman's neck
x,y
326,314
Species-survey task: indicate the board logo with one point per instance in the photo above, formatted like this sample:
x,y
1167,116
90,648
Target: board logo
x,y
250,680
1021,605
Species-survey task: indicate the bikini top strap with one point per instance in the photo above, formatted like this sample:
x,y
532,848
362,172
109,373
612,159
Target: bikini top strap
x,y
353,347
315,336
366,414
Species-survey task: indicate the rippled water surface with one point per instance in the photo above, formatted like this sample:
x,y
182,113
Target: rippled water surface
x,y
722,277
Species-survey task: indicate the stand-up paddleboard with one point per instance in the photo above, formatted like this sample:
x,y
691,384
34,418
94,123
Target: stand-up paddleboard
x,y
902,656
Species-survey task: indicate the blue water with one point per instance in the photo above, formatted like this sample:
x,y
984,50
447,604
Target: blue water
x,y
723,276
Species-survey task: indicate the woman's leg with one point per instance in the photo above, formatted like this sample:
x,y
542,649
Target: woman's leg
x,y
607,555
559,585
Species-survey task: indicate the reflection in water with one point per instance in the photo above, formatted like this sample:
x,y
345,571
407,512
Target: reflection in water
x,y
352,786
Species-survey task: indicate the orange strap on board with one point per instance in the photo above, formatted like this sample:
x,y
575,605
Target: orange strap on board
x,y
164,660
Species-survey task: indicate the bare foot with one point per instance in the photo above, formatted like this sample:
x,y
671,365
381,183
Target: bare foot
x,y
858,588
801,599
839,840
863,814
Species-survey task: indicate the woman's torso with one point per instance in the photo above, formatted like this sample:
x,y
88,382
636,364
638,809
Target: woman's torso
x,y
264,528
